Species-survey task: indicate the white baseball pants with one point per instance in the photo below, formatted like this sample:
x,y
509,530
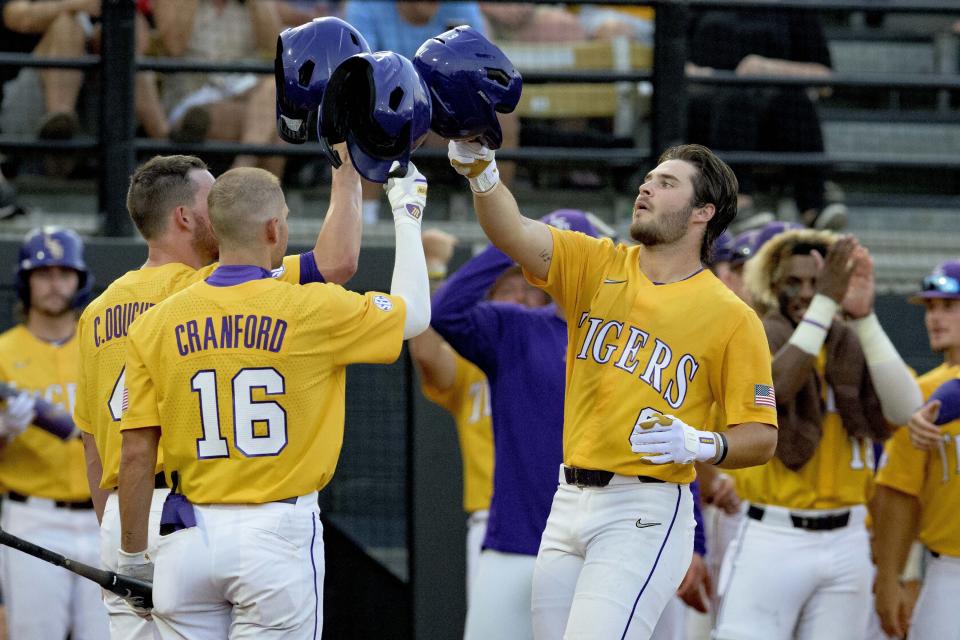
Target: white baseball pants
x,y
245,571
500,606
779,582
935,617
45,601
476,532
610,559
125,624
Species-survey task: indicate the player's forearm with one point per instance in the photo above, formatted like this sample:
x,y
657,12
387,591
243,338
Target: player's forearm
x,y
894,526
791,371
410,280
138,459
434,359
749,444
94,474
337,249
898,391
527,241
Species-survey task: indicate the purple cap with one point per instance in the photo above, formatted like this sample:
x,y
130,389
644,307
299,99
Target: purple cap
x,y
949,396
772,229
943,282
570,220
723,248
744,246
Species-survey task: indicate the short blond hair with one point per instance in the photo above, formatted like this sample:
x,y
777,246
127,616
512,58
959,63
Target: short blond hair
x,y
240,201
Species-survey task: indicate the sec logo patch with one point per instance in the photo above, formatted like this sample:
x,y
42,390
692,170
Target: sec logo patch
x,y
383,303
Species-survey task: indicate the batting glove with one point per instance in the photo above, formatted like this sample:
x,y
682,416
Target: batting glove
x,y
665,438
407,194
135,565
476,162
19,414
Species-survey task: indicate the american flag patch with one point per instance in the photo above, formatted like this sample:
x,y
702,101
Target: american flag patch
x,y
126,400
763,396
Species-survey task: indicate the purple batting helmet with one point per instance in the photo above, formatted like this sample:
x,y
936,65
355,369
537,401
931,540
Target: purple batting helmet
x,y
571,220
306,58
470,81
380,105
949,396
943,282
723,248
53,246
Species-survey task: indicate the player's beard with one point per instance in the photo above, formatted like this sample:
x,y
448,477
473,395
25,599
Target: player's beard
x,y
53,305
668,229
204,243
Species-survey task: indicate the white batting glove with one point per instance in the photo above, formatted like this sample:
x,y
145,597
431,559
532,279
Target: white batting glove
x,y
407,194
135,565
476,162
18,414
665,438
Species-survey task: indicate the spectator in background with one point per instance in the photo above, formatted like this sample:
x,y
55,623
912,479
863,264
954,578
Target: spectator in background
x,y
401,27
237,107
762,42
65,28
294,13
526,22
607,22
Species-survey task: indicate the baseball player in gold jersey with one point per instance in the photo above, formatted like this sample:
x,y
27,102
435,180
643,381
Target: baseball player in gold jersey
x,y
167,200
918,486
654,340
243,376
48,502
459,386
839,384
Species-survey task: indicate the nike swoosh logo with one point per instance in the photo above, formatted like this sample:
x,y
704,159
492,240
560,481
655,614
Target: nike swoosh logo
x,y
609,281
644,525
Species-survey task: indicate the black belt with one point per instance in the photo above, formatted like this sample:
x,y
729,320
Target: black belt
x,y
935,554
81,505
160,481
594,477
292,500
810,523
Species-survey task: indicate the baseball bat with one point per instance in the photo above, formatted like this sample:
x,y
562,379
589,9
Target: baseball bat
x,y
138,592
50,417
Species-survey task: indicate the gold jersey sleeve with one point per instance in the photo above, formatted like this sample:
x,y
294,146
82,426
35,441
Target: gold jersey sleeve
x,y
839,474
36,463
931,476
635,346
102,336
468,401
247,382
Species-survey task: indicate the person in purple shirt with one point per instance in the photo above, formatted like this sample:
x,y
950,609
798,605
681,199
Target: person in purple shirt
x,y
522,352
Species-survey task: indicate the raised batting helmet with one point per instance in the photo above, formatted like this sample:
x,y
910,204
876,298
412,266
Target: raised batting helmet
x,y
470,81
53,246
379,104
306,58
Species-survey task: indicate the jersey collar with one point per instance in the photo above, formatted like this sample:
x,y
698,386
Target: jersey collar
x,y
228,275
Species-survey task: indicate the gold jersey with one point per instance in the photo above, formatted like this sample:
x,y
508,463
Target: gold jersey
x,y
468,401
635,347
247,382
102,334
36,463
931,476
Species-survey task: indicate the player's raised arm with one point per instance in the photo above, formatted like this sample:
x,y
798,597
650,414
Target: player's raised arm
x,y
408,198
527,241
338,243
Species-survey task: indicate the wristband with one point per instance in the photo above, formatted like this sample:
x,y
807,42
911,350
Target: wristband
x,y
723,448
811,333
487,179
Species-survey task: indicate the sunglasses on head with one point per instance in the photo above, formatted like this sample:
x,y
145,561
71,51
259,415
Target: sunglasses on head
x,y
941,284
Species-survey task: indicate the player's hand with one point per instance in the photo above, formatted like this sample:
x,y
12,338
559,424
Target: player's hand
x,y
135,565
665,438
407,194
18,414
723,494
861,290
696,590
836,269
893,607
438,248
924,433
476,162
